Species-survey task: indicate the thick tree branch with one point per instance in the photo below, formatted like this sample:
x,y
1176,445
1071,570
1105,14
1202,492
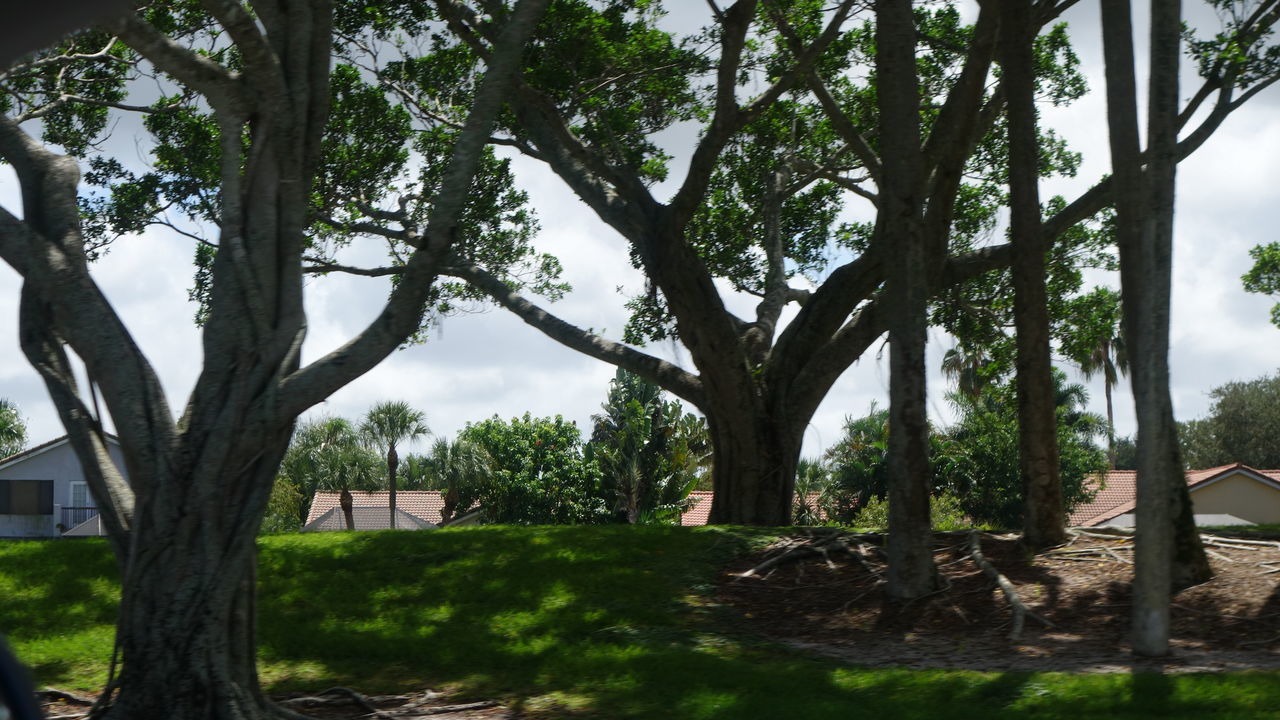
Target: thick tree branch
x,y
669,376
220,86
403,312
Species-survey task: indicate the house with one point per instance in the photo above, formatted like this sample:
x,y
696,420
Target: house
x,y
43,491
1233,494
415,510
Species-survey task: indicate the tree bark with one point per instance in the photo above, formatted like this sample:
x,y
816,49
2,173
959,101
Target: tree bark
x,y
187,622
348,512
187,526
910,548
1144,210
754,470
393,464
1044,516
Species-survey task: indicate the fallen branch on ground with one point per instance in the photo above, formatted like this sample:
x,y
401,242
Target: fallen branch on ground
x,y
54,694
1020,609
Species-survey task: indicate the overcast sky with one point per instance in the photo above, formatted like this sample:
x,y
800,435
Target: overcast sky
x,y
490,363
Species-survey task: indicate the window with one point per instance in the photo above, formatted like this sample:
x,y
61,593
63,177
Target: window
x,y
26,497
80,494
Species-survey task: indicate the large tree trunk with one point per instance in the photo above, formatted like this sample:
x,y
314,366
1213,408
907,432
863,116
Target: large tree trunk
x,y
754,471
910,545
187,619
1044,518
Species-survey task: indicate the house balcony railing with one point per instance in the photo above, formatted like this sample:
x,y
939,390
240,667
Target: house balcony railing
x,y
73,516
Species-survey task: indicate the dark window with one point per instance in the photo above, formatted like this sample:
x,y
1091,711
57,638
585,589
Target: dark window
x,y
26,497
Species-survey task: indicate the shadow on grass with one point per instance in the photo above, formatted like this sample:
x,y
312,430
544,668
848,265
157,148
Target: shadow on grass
x,y
56,587
615,622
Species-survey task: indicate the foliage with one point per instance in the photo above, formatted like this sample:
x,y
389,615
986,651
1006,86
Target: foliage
x,y
649,451
389,423
857,464
1127,453
1264,276
462,470
13,429
813,485
982,467
539,473
580,622
287,508
945,513
1242,425
328,453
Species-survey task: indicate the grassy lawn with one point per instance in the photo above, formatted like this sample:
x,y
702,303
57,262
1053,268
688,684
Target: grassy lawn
x,y
607,622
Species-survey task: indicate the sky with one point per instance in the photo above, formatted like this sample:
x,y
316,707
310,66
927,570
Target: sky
x,y
490,363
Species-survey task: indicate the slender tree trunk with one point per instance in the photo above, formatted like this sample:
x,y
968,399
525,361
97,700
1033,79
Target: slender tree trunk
x,y
1111,425
910,545
1144,208
345,500
1044,518
393,465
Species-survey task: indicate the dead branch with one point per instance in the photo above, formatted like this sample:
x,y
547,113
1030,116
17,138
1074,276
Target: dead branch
x,y
1242,541
1020,609
348,696
463,707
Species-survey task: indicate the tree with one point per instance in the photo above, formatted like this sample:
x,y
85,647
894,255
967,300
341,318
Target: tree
x,y
758,205
540,476
462,470
648,449
979,462
1094,342
329,454
387,424
13,431
1264,277
1242,425
813,486
1144,213
1043,518
259,101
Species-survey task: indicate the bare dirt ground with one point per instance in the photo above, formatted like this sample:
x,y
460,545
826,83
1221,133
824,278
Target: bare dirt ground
x,y
834,605
332,704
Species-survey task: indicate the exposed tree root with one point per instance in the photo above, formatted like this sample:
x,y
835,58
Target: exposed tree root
x,y
50,694
1020,609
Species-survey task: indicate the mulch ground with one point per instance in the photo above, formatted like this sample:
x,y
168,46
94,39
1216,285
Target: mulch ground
x,y
835,605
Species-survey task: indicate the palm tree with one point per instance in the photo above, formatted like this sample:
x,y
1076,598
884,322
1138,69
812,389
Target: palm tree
x,y
1110,359
972,369
1096,345
13,432
387,424
458,469
327,454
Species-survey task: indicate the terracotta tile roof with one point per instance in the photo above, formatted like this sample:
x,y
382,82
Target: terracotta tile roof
x,y
367,517
1118,492
423,504
427,504
701,510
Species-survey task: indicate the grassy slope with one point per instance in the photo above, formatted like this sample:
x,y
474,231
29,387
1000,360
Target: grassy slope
x,y
611,622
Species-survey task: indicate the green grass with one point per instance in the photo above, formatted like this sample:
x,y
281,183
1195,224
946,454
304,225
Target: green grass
x,y
607,622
